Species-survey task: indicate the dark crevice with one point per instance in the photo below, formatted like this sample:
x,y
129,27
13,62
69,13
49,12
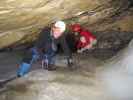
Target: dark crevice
x,y
130,3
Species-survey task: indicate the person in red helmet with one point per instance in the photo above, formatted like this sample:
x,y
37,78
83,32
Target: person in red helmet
x,y
86,38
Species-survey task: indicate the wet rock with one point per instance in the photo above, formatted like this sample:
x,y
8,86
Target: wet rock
x,y
109,80
61,84
110,43
118,74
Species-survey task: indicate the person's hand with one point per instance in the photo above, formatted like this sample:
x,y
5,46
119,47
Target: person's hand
x,y
82,39
70,62
93,41
89,46
79,51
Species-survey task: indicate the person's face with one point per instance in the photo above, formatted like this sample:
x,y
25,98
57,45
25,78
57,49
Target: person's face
x,y
82,39
56,32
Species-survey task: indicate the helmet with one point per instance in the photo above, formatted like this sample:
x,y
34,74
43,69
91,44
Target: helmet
x,y
61,25
76,27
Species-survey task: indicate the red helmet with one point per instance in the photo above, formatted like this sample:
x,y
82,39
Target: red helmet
x,y
76,27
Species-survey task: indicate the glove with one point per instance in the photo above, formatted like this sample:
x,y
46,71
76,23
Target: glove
x,y
79,51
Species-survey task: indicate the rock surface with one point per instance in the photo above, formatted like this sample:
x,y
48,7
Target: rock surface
x,y
62,84
118,75
95,80
21,21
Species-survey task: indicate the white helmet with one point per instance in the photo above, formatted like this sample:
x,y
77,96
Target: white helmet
x,y
61,25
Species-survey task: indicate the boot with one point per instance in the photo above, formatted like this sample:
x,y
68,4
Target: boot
x,y
23,69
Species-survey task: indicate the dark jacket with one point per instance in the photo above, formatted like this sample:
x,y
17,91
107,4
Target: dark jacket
x,y
45,41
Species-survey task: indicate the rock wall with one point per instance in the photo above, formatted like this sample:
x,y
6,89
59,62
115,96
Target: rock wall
x,y
22,20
